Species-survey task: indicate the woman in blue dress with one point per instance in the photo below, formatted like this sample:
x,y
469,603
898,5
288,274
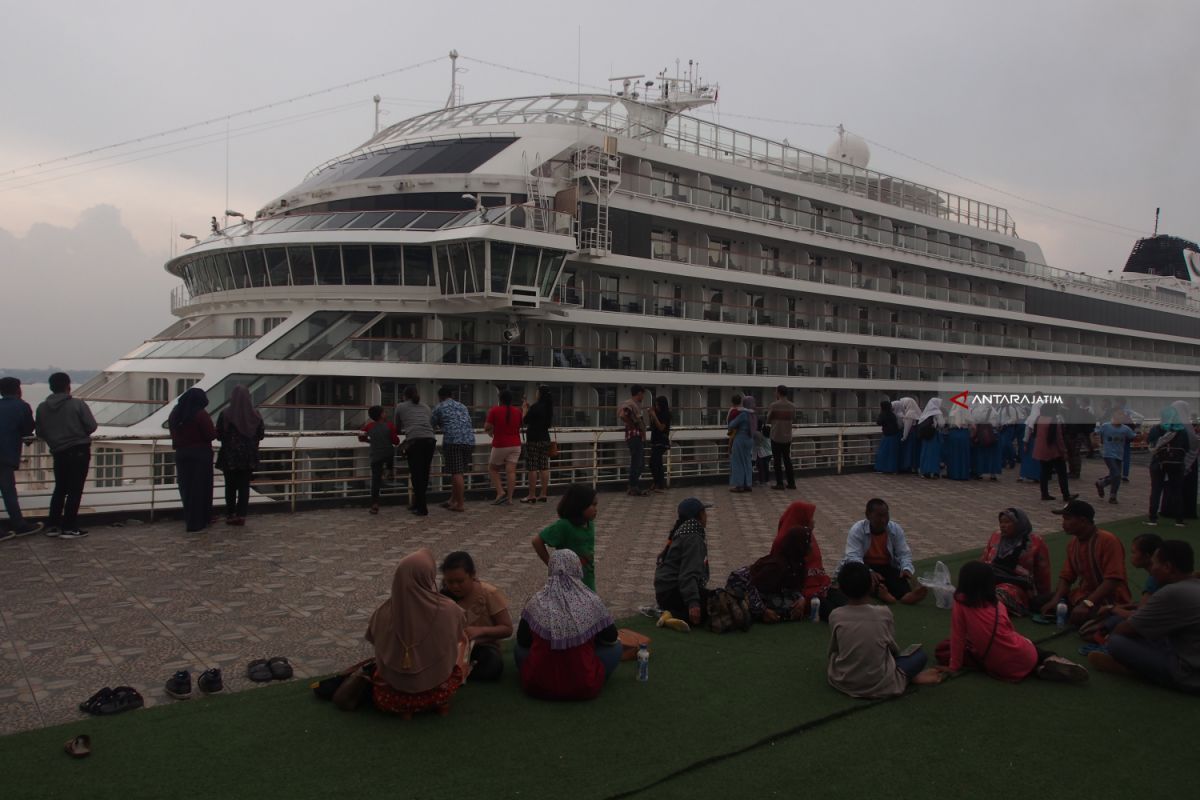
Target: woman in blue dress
x,y
907,413
985,442
957,452
930,465
887,455
741,448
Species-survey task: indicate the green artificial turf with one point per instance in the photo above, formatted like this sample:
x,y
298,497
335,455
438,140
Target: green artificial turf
x,y
730,715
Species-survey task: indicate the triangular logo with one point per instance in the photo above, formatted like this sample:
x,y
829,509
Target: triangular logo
x,y
960,400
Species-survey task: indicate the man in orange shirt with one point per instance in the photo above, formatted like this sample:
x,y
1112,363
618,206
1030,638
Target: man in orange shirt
x,y
1096,560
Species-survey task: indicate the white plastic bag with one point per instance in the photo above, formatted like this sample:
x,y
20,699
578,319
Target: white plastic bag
x,y
938,582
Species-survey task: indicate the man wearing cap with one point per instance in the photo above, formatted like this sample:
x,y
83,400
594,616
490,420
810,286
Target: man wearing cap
x,y
1095,561
681,574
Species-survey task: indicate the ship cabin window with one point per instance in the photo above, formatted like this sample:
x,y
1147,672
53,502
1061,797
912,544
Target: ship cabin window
x,y
109,466
277,266
256,267
163,468
271,323
183,384
303,268
156,390
356,263
329,265
243,327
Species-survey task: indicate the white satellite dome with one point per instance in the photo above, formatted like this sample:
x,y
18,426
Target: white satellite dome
x,y
849,148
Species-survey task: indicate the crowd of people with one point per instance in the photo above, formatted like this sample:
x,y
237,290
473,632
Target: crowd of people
x,y
1043,442
428,639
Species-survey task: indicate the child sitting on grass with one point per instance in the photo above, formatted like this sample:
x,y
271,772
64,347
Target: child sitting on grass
x,y
863,658
982,636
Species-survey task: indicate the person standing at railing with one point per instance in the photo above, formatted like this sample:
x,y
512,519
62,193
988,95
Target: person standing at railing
x,y
660,440
741,448
629,414
781,416
66,425
538,418
16,422
458,444
192,435
415,421
503,423
381,438
240,429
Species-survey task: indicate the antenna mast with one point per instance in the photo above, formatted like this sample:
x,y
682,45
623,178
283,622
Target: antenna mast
x,y
450,101
1156,212
376,98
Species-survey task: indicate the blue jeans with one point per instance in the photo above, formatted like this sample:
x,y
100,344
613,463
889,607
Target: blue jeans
x,y
637,447
1150,660
1113,479
911,665
609,655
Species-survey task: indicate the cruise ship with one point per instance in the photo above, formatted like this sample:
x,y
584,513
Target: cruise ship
x,y
589,242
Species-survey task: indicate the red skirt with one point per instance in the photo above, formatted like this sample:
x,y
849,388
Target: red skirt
x,y
388,699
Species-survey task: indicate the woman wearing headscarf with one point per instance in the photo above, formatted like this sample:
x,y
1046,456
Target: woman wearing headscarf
x,y
907,412
887,454
567,642
420,642
957,449
929,431
240,429
1172,444
1031,470
1191,470
192,435
781,585
741,448
985,443
681,569
1021,562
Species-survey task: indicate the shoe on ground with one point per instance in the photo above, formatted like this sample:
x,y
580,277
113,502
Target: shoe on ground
x,y
210,681
180,685
1153,523
779,486
1106,663
1179,525
28,529
6,535
791,486
74,533
1049,497
1064,670
653,612
1112,501
665,620
1100,489
53,531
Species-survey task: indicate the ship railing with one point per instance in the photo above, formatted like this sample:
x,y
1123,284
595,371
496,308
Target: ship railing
x,y
136,474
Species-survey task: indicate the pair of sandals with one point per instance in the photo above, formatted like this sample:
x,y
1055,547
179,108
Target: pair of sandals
x,y
109,701
532,500
265,670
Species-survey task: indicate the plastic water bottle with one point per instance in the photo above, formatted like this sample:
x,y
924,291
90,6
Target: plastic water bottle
x,y
814,610
643,662
1061,615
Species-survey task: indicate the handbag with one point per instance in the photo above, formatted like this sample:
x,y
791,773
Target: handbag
x,y
553,451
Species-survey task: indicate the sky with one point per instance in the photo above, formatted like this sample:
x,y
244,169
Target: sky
x,y
1090,107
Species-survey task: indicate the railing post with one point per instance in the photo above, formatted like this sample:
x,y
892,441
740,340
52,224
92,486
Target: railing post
x,y
295,444
841,453
153,477
595,459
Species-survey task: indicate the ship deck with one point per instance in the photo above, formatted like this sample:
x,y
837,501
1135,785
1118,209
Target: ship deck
x,y
130,605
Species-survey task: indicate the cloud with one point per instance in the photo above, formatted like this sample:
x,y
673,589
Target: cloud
x,y
80,296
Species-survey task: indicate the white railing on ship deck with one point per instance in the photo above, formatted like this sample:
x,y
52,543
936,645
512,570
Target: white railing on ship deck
x,y
137,474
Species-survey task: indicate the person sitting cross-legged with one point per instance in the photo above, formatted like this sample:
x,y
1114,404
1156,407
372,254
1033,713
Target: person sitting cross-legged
x,y
983,637
681,570
1161,641
1093,575
567,643
880,544
864,660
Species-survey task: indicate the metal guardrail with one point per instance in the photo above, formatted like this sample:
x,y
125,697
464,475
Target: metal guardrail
x,y
137,473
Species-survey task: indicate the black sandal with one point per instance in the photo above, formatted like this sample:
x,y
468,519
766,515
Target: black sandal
x,y
281,668
122,699
93,703
259,672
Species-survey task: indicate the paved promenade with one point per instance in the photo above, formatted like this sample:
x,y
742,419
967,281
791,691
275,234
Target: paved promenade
x,y
130,605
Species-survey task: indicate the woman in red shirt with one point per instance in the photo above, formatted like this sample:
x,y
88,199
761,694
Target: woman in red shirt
x,y
982,636
504,424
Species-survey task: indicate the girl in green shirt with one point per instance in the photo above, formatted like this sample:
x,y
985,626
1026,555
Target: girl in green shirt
x,y
575,530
